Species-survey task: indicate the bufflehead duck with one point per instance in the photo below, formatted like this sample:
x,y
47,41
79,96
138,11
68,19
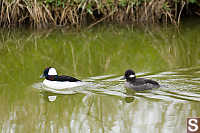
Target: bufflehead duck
x,y
138,84
52,80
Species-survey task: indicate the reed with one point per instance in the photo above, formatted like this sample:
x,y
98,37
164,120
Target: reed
x,y
44,13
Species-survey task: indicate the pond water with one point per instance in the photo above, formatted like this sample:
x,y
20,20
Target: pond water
x,y
100,57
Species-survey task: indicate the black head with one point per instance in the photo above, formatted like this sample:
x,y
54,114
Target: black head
x,y
129,75
48,71
45,73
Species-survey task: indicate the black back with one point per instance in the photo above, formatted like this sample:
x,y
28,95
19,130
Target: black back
x,y
61,78
140,81
66,78
151,81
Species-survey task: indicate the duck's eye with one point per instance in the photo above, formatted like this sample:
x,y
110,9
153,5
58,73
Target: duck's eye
x,y
131,76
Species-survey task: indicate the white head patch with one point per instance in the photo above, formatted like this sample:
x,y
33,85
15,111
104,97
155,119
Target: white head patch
x,y
52,71
131,76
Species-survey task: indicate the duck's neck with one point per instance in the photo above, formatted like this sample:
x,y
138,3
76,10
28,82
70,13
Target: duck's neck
x,y
130,80
51,77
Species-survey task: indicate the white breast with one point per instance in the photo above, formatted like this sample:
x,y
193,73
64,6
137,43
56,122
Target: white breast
x,y
61,85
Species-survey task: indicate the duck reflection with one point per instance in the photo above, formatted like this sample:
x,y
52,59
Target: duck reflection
x,y
129,99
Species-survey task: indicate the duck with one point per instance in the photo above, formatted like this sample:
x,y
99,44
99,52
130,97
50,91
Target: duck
x,y
54,81
138,84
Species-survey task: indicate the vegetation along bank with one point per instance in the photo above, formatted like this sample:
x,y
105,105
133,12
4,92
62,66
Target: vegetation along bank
x,y
43,13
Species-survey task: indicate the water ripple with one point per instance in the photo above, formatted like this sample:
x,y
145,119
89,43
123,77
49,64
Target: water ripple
x,y
176,86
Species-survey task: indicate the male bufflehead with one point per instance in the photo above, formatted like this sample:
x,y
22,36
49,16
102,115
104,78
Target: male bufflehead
x,y
138,84
52,80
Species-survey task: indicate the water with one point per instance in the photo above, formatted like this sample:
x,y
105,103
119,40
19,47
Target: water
x,y
99,56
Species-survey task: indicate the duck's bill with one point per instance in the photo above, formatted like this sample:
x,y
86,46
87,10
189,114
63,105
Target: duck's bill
x,y
42,76
122,78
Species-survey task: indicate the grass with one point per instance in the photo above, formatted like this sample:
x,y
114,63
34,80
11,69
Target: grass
x,y
45,13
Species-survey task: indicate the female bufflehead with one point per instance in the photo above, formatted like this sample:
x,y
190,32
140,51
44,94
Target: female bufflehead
x,y
52,80
138,84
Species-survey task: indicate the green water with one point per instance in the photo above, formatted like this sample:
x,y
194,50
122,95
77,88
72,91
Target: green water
x,y
100,56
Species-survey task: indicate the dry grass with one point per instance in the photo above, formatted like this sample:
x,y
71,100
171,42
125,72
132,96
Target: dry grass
x,y
39,14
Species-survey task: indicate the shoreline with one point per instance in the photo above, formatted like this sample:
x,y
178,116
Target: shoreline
x,y
58,13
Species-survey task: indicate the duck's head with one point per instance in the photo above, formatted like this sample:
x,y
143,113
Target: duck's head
x,y
129,75
49,71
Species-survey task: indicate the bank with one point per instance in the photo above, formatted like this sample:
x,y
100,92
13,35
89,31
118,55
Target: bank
x,y
78,13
